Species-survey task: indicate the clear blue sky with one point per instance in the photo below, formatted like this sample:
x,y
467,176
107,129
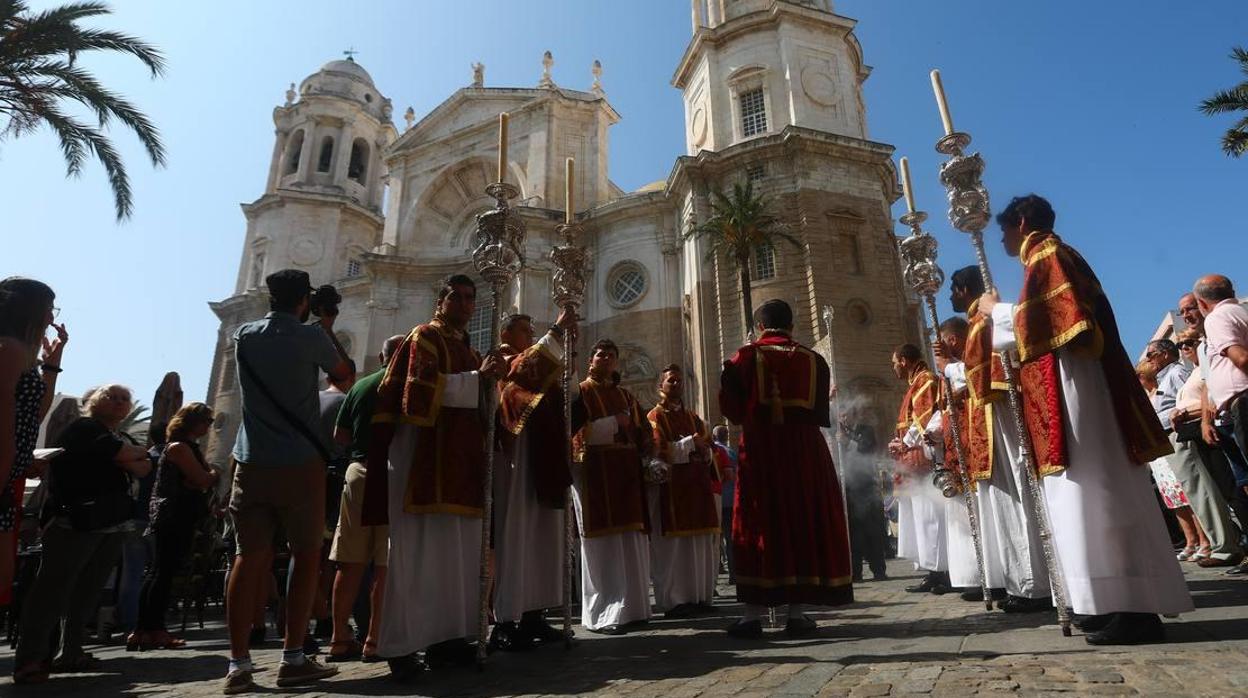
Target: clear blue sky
x,y
1092,104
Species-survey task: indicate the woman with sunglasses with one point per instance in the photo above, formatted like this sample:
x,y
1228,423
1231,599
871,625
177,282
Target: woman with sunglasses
x,y
27,384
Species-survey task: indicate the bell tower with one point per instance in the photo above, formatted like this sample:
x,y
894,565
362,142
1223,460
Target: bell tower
x,y
754,67
321,211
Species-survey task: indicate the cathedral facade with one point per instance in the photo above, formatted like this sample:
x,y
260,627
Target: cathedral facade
x,y
772,94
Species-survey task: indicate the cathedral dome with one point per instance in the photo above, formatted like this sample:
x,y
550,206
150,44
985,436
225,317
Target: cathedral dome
x,y
347,79
349,67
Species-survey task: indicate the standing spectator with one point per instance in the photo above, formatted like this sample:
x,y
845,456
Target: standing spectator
x,y
280,473
178,502
356,545
868,529
134,553
335,475
726,457
1196,545
26,311
1226,342
88,516
1207,504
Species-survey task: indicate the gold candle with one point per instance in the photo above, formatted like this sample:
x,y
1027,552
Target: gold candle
x,y
568,197
502,146
939,88
905,184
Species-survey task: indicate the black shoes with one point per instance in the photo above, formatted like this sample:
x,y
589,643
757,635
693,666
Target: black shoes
x,y
1018,604
977,594
539,631
1129,629
746,629
1090,624
933,583
406,669
457,652
803,626
508,637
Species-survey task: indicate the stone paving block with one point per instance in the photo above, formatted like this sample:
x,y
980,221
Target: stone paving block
x,y
810,681
1100,676
919,686
1110,689
924,672
871,690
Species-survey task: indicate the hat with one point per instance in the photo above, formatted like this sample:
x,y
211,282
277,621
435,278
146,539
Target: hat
x,y
288,284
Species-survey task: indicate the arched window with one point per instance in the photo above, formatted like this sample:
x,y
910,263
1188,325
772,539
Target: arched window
x,y
294,151
327,154
357,168
764,263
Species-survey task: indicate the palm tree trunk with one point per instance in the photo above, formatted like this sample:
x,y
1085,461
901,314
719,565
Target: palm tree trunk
x,y
747,299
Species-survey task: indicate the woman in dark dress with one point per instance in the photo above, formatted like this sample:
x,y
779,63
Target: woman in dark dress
x,y
179,502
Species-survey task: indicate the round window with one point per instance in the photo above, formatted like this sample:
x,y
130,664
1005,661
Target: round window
x,y
626,284
859,312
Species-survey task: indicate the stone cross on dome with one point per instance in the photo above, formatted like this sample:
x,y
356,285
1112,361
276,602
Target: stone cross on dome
x,y
350,53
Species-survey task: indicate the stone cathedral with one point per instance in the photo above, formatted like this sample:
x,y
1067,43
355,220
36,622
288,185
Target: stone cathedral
x,y
772,94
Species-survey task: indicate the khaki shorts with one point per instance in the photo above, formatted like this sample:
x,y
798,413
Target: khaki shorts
x,y
266,497
353,541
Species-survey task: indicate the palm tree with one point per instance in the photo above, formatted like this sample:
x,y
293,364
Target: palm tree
x,y
741,225
1234,100
136,424
39,80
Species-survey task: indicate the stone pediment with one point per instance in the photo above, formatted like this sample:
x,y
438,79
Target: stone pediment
x,y
472,108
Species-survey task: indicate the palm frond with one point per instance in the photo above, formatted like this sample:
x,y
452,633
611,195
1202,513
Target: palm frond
x,y
1240,54
38,74
1225,101
1235,140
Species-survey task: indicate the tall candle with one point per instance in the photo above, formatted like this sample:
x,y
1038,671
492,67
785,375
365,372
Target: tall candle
x,y
939,88
905,184
568,198
502,146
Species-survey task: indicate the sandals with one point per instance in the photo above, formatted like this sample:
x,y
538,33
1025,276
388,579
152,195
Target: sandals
x,y
33,673
1201,553
353,652
1186,553
164,641
370,652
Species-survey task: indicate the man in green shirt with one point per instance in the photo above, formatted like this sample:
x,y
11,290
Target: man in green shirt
x,y
356,545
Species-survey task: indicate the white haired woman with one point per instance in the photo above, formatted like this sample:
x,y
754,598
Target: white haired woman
x,y
86,521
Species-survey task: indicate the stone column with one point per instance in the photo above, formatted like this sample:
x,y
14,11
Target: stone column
x,y
309,151
342,154
276,165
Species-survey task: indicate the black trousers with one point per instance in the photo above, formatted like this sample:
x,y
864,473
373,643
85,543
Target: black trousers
x,y
868,529
170,545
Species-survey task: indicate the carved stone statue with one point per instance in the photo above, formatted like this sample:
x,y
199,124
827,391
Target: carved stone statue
x,y
409,116
547,61
596,88
478,74
290,94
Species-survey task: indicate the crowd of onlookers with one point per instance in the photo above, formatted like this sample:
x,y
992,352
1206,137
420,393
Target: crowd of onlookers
x,y
1198,380
115,512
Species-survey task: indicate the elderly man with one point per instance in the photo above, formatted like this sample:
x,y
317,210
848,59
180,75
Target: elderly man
x,y
1202,492
1226,346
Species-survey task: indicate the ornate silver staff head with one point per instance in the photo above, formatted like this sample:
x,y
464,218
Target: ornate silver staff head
x,y
567,284
962,175
499,255
925,277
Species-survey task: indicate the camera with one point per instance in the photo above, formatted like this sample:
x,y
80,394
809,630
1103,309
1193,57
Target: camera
x,y
325,301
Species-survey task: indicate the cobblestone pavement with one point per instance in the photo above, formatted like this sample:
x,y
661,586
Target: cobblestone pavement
x,y
888,643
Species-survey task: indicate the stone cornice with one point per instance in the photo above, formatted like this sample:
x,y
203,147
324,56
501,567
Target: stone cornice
x,y
793,138
284,195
